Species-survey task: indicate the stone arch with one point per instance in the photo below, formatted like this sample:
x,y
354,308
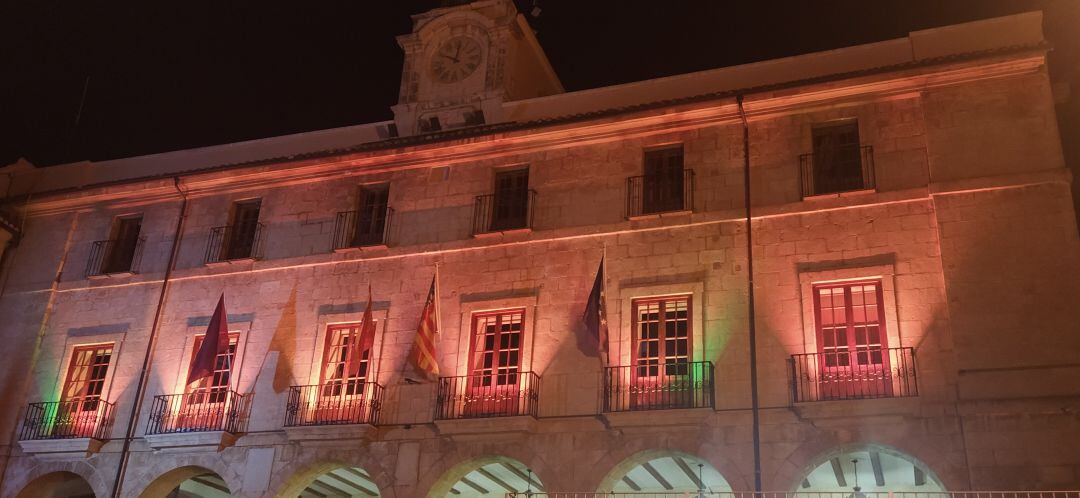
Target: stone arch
x,y
188,475
40,473
678,471
834,466
491,473
59,484
335,474
289,478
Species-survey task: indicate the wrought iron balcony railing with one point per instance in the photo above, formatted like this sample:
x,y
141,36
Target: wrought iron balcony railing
x,y
200,411
659,386
841,169
234,242
860,374
335,403
89,418
495,395
661,193
115,256
362,229
504,211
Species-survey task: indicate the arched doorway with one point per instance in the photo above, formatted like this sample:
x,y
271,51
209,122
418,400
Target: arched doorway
x,y
352,482
870,468
488,477
57,485
663,471
188,482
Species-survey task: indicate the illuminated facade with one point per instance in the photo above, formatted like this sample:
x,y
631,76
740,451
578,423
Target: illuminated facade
x,y
916,270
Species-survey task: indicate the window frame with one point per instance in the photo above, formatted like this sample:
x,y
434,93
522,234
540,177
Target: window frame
x,y
213,394
663,200
852,347
502,375
330,388
361,238
636,339
507,199
837,184
109,259
81,399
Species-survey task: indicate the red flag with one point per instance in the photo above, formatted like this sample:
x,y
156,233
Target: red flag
x,y
363,340
423,353
215,343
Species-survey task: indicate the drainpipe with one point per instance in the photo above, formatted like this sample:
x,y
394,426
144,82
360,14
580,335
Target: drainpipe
x,y
140,390
755,406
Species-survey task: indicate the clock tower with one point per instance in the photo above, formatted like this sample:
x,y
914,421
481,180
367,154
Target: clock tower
x,y
462,61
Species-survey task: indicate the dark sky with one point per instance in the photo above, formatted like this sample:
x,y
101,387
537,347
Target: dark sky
x,y
172,75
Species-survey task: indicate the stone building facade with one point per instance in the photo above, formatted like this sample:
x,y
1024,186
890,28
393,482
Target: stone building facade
x,y
914,189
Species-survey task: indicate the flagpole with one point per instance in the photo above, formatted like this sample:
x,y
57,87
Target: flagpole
x,y
605,358
438,308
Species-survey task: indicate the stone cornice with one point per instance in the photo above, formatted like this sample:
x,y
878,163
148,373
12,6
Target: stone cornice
x,y
678,117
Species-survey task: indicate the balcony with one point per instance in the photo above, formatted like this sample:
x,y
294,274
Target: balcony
x,y
334,404
483,396
201,411
89,418
659,387
844,169
660,193
234,242
861,374
108,257
356,229
493,213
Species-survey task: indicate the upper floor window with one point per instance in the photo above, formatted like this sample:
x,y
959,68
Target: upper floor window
x,y
367,226
241,238
509,208
839,163
494,382
86,377
339,376
214,389
662,337
665,185
121,252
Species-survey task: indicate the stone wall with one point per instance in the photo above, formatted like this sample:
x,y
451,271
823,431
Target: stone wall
x,y
970,231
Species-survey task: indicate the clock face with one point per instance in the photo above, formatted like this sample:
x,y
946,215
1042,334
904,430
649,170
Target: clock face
x,y
456,59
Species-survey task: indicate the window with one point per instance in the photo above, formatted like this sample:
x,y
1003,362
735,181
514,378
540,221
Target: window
x,y
86,377
849,322
122,245
243,231
510,208
494,386
852,345
214,389
664,181
371,215
336,366
837,164
662,336
496,348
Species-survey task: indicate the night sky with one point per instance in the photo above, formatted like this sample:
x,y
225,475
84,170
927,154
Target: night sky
x,y
174,75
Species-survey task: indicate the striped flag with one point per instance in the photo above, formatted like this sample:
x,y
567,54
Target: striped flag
x,y
595,316
363,340
423,353
215,343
